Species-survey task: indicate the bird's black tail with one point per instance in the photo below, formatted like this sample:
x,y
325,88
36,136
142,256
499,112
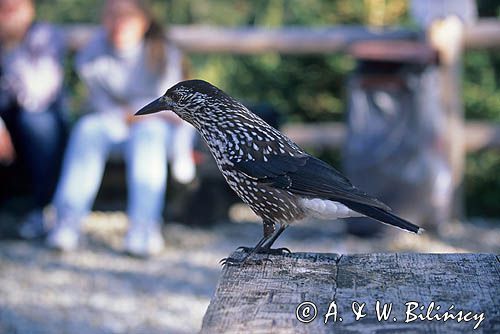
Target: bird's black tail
x,y
383,216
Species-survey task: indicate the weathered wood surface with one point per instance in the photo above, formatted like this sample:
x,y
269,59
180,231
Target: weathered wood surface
x,y
297,39
478,135
264,298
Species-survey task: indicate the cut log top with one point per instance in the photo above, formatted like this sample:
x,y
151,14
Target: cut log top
x,y
265,298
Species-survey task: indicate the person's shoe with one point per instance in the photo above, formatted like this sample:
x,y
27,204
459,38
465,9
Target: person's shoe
x,y
155,241
33,226
135,241
63,238
144,241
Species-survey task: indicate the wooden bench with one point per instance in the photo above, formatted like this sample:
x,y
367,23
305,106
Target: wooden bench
x,y
266,298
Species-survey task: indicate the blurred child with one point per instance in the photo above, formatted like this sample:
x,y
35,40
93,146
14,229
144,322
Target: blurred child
x,y
31,124
126,64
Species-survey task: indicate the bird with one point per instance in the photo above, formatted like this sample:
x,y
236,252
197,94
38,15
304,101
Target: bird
x,y
274,176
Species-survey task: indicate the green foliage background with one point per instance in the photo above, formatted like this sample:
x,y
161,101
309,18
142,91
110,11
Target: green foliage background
x,y
311,88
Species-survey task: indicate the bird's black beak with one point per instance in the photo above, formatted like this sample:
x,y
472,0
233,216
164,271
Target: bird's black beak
x,y
160,104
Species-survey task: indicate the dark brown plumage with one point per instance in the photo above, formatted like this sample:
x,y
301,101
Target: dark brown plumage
x,y
278,180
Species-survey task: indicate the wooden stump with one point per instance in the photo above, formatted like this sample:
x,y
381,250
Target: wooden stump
x,y
265,298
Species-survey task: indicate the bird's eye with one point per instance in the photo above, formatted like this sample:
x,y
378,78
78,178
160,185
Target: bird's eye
x,y
178,97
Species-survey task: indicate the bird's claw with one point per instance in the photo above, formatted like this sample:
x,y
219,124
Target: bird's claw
x,y
265,250
231,261
245,249
275,251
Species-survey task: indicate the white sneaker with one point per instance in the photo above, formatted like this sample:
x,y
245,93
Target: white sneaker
x,y
156,243
144,241
63,238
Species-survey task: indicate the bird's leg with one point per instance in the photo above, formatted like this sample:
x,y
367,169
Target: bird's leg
x,y
270,236
233,261
268,229
266,247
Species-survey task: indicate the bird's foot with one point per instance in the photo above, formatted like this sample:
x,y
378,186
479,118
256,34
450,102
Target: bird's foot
x,y
245,249
231,261
265,250
274,251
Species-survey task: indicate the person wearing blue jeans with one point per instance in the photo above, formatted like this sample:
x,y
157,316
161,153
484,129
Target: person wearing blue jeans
x,y
38,139
32,122
124,66
144,145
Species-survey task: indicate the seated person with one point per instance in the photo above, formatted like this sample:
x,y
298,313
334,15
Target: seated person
x,y
32,125
125,65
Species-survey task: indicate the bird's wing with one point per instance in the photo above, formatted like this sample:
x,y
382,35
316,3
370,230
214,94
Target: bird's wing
x,y
306,175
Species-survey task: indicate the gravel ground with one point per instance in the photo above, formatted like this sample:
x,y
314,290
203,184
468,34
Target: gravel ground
x,y
99,290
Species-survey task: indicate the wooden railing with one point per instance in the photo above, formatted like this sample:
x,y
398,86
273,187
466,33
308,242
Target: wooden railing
x,y
320,40
478,135
292,40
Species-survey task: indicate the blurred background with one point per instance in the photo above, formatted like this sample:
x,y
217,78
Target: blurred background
x,y
399,95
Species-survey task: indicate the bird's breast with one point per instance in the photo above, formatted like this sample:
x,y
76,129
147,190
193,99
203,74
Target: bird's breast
x,y
271,204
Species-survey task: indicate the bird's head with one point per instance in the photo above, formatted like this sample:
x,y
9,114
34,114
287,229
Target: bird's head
x,y
193,100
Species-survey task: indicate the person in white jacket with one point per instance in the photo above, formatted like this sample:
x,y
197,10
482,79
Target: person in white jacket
x,y
125,65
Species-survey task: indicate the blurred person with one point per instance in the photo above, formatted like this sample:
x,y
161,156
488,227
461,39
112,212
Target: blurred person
x,y
126,64
31,117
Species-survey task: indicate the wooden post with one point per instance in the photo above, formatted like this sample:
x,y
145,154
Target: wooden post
x,y
447,36
265,298
444,22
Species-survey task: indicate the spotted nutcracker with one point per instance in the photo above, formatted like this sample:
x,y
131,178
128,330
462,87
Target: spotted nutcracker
x,y
278,180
